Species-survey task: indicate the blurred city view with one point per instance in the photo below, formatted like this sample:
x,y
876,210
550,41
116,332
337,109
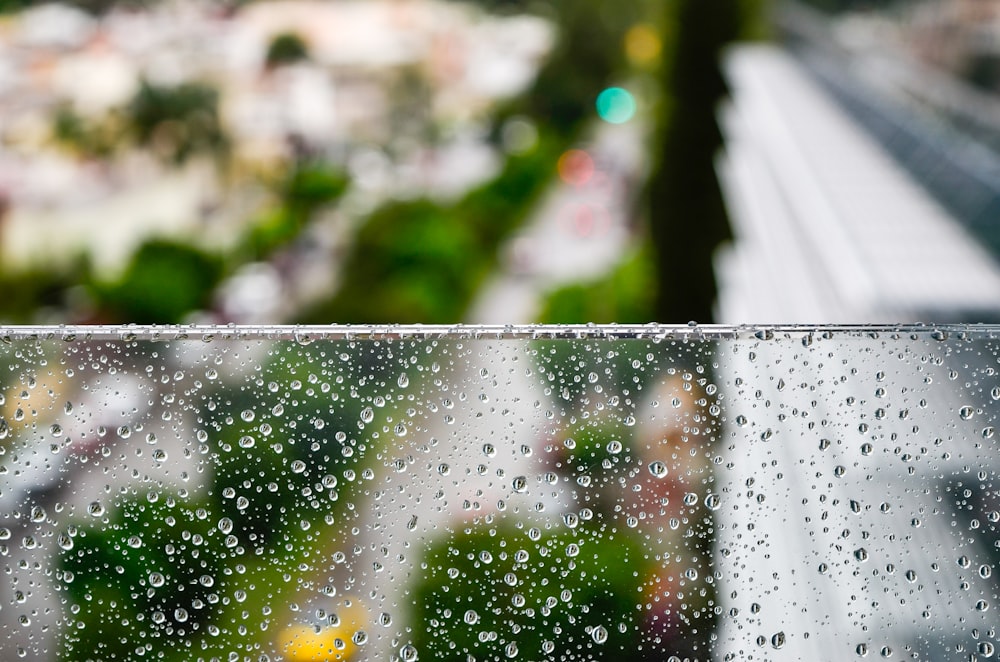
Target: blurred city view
x,y
367,161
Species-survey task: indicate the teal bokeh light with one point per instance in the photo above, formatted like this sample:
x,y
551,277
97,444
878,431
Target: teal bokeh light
x,y
616,105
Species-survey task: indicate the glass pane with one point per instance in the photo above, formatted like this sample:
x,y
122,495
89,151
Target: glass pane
x,y
582,493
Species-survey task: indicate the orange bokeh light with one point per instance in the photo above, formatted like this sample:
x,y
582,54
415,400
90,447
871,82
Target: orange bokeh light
x,y
575,167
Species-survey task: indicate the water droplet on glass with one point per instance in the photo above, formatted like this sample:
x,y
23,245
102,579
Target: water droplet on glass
x,y
247,415
489,450
519,484
95,509
367,416
408,653
713,502
156,579
403,380
444,469
658,469
861,554
298,466
778,640
471,617
599,634
966,412
614,447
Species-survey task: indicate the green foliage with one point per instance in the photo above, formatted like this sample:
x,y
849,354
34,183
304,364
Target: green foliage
x,y
90,138
151,575
564,596
586,56
11,6
284,439
625,296
163,282
311,185
420,261
27,292
177,121
286,48
305,189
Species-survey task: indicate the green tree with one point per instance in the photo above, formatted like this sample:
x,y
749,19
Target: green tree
x,y
286,48
164,281
537,594
177,121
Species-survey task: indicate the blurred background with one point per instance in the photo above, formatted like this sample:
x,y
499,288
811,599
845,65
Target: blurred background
x,y
499,161
442,161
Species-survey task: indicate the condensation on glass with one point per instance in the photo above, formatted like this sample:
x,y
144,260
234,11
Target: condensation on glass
x,y
541,493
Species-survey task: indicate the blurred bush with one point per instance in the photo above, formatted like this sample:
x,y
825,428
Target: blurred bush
x,y
499,591
88,137
163,282
286,48
423,261
32,293
302,191
278,447
152,575
177,121
626,296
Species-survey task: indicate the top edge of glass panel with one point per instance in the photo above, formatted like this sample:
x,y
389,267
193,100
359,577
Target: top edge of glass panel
x,y
661,332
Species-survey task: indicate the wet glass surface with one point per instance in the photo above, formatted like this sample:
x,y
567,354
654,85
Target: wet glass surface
x,y
538,493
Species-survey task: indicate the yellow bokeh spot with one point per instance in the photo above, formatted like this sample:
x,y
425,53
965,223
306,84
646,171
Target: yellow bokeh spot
x,y
642,44
303,643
